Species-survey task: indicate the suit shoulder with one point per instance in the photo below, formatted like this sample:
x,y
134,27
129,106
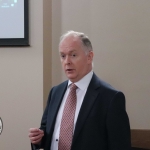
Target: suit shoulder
x,y
110,90
57,89
60,86
106,87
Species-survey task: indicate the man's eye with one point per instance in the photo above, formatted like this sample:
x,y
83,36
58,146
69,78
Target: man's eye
x,y
62,56
74,55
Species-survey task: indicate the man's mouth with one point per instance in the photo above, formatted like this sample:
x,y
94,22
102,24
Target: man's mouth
x,y
69,69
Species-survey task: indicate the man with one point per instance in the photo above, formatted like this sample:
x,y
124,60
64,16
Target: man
x,y
100,121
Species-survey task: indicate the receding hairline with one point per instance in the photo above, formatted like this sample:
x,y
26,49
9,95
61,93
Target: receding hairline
x,y
81,36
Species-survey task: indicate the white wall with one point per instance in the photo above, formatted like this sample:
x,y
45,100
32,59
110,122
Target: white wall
x,y
21,85
119,31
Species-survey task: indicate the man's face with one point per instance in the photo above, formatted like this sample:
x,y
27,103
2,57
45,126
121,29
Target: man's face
x,y
75,62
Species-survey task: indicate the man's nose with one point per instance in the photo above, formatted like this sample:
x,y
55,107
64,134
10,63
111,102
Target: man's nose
x,y
67,60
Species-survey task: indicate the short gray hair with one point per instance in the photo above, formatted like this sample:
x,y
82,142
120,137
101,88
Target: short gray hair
x,y
84,39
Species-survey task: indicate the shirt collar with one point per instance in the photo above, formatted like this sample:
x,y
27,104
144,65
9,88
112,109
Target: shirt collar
x,y
84,82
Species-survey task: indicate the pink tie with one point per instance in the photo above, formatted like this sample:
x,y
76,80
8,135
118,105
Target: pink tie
x,y
67,122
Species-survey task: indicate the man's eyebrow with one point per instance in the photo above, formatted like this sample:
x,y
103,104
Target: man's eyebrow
x,y
70,51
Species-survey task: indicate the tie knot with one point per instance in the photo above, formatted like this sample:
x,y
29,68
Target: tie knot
x,y
73,87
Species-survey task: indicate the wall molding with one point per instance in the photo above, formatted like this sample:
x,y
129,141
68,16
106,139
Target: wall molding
x,y
47,49
140,138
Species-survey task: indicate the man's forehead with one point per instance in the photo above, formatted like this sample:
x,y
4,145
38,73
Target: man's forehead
x,y
70,41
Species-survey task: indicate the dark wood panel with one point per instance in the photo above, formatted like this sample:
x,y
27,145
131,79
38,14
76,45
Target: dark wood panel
x,y
140,138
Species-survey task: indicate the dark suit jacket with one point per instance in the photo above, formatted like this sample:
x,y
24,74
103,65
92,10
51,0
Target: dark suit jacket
x,y
102,122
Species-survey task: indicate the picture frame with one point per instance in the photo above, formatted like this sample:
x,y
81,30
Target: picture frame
x,y
24,39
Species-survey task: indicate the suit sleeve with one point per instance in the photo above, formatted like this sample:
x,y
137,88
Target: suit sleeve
x,y
118,127
43,125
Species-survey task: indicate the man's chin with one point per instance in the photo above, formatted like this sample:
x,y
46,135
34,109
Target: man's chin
x,y
71,78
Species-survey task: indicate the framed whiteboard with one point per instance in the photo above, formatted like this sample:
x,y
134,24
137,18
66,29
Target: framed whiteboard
x,y
14,23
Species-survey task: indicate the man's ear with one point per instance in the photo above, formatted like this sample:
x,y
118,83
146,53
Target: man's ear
x,y
90,56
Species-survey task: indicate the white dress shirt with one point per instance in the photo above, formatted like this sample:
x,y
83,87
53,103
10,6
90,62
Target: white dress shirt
x,y
81,90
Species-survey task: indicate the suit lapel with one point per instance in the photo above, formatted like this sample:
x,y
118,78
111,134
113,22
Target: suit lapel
x,y
56,99
87,105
